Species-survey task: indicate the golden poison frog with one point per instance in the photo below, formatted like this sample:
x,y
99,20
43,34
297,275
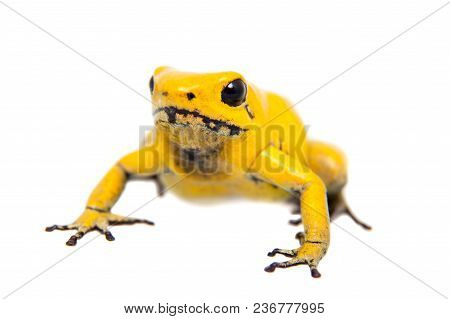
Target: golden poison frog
x,y
217,135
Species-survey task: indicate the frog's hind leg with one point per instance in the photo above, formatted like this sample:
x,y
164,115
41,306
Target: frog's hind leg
x,y
330,164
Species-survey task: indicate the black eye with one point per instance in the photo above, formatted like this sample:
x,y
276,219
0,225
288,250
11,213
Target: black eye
x,y
152,84
234,93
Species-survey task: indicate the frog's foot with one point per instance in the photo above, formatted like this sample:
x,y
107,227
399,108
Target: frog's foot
x,y
338,206
93,220
350,214
308,254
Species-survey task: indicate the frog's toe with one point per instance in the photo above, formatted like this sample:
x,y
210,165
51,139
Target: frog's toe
x,y
284,252
298,221
285,264
293,262
60,227
74,238
295,222
108,235
300,236
314,272
359,222
338,206
129,221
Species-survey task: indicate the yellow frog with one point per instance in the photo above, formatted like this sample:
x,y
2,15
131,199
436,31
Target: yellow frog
x,y
216,135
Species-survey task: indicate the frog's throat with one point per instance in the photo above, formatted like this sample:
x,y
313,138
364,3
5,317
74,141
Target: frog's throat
x,y
177,116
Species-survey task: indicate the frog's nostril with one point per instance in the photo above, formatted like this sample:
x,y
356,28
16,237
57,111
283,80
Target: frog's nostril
x,y
190,96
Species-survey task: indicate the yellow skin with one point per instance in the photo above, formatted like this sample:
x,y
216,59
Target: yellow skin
x,y
202,148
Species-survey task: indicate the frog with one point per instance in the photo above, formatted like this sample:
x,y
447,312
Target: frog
x,y
218,136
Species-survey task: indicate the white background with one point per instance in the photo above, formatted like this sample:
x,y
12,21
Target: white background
x,y
64,122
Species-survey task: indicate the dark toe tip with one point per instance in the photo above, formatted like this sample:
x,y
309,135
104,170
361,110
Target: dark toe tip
x,y
145,221
271,267
295,222
72,241
109,236
315,273
272,253
50,228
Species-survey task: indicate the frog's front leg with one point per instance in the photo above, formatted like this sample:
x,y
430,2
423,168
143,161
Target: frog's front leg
x,y
289,173
145,162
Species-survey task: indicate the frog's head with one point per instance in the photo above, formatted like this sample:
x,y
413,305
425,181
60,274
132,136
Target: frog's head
x,y
201,110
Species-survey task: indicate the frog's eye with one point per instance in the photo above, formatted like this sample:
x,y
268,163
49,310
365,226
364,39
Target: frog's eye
x,y
234,93
152,85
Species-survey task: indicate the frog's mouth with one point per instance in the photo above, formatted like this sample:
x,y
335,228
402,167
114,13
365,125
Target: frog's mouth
x,y
183,117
